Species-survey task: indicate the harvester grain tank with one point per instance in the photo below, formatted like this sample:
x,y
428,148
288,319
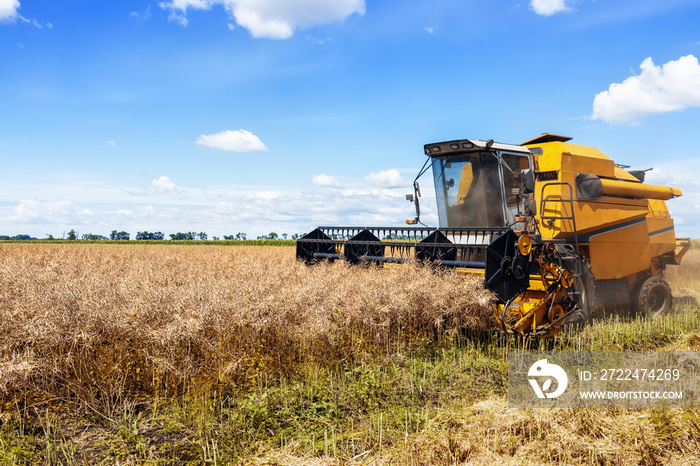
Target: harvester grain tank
x,y
553,227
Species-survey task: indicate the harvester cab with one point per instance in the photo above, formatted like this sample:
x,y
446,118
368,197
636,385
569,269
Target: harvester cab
x,y
552,226
479,183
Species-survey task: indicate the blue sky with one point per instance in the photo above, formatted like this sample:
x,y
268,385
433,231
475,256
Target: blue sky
x,y
254,116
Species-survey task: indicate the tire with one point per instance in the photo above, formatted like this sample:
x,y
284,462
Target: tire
x,y
583,286
654,298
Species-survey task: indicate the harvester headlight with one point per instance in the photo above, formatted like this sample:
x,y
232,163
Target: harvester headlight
x,y
454,146
524,245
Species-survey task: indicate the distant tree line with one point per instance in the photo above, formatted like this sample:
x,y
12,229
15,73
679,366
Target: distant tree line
x,y
145,235
238,237
91,237
22,237
116,235
119,235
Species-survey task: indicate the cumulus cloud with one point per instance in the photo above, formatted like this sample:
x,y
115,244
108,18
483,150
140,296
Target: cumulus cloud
x,y
9,12
166,185
387,178
237,141
325,181
40,211
24,212
683,209
8,9
657,89
274,19
232,209
549,7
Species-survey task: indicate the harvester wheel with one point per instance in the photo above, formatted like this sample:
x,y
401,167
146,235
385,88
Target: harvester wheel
x,y
654,297
583,285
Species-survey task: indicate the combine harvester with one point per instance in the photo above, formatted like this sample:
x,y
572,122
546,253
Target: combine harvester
x,y
554,227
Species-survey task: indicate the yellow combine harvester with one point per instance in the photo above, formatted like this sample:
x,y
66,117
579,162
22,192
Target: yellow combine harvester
x,y
553,226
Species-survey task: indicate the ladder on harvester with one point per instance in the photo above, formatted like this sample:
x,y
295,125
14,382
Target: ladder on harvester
x,y
559,203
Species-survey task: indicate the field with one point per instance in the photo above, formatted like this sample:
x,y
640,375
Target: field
x,y
168,354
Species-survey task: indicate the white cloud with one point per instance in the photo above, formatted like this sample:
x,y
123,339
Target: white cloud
x,y
40,211
325,181
24,212
238,141
429,29
657,89
549,7
165,184
178,8
33,22
274,19
9,12
141,17
219,211
683,209
8,9
387,178
112,143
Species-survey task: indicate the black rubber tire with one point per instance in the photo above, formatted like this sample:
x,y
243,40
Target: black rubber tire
x,y
584,284
654,298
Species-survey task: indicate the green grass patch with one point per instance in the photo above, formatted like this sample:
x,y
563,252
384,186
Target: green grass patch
x,y
369,409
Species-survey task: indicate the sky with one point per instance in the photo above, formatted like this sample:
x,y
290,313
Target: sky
x,y
259,116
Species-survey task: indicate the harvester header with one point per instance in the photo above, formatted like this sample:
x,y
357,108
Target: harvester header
x,y
553,226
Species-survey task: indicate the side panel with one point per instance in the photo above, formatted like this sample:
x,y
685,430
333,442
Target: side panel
x,y
662,236
661,229
621,251
592,216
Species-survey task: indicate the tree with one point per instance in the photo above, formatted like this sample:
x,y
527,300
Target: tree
x,y
240,236
295,236
72,235
273,235
284,235
179,236
147,236
92,237
202,236
119,235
